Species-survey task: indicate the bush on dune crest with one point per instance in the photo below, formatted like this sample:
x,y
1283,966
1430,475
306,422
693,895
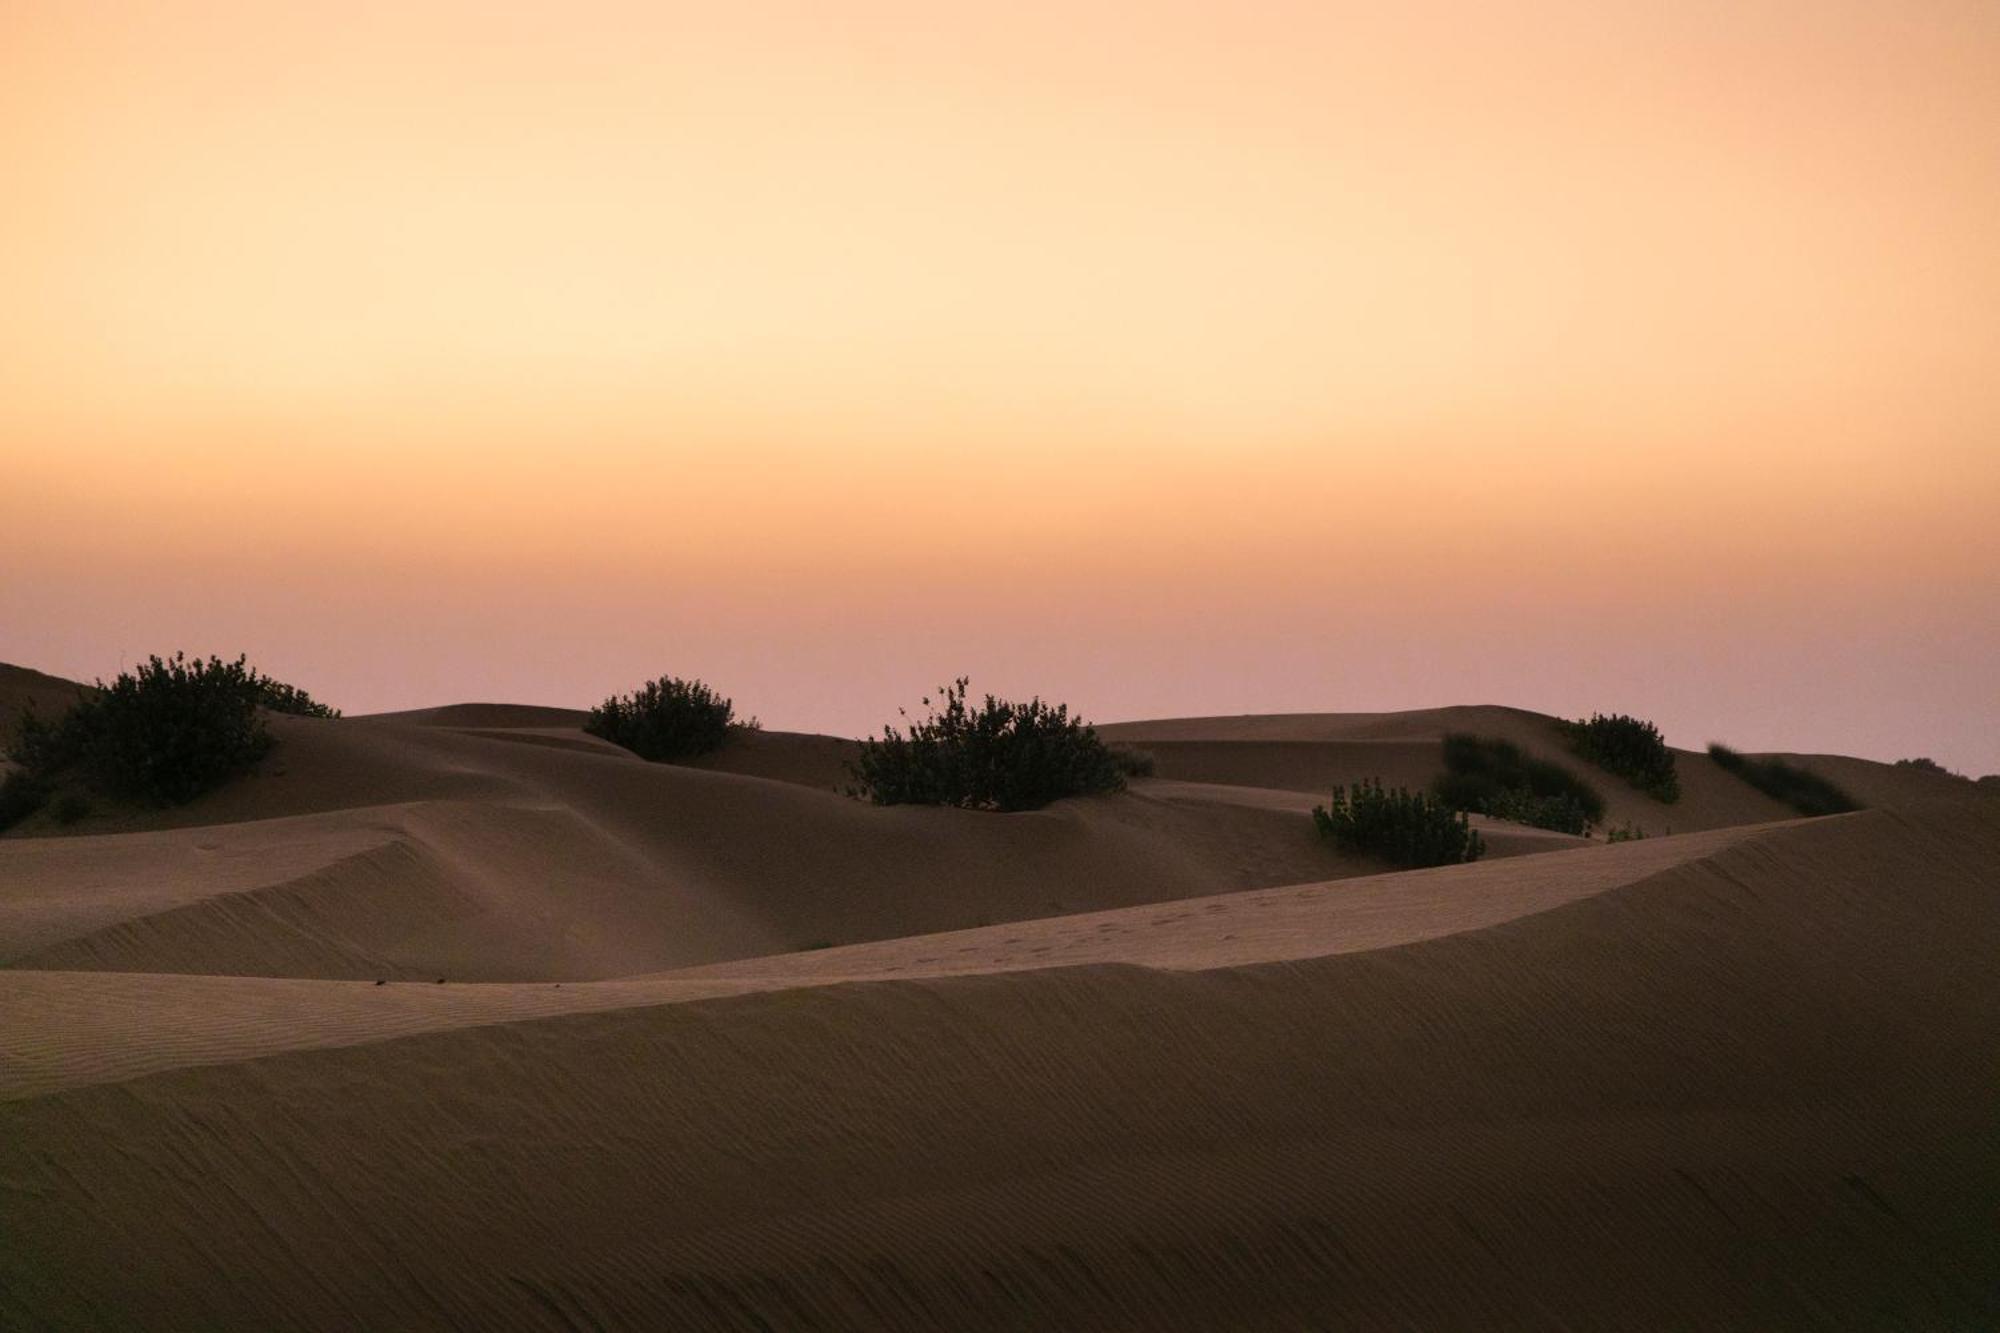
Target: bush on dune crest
x,y
1407,828
1493,777
665,720
161,735
997,756
1806,792
1630,748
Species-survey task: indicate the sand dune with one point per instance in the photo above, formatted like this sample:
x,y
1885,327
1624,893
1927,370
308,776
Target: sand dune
x,y
1746,1075
1311,752
1157,1060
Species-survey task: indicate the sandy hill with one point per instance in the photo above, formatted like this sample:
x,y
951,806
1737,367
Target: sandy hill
x,y
1152,1061
1311,752
22,688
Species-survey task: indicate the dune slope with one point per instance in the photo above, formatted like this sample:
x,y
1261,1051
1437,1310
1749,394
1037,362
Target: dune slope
x,y
1744,1082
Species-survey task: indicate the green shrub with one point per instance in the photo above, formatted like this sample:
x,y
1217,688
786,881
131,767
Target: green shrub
x,y
1630,748
1133,763
1625,833
162,734
1407,828
1806,792
1493,777
998,756
1561,814
664,720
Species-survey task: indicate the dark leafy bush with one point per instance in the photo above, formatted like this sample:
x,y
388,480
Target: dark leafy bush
x,y
70,807
1625,833
162,734
664,720
21,794
998,756
1561,814
1401,826
1493,777
1806,792
282,698
1631,748
1133,763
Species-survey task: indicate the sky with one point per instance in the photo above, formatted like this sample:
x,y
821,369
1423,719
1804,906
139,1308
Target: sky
x,y
1163,358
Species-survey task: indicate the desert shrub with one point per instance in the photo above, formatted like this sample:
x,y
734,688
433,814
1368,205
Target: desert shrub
x,y
1405,827
997,756
282,698
1132,762
162,734
1493,777
1931,766
70,807
1625,833
1806,792
21,794
1559,813
1631,748
664,720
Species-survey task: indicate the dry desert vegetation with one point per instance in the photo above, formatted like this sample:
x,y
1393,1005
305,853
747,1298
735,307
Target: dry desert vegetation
x,y
471,1018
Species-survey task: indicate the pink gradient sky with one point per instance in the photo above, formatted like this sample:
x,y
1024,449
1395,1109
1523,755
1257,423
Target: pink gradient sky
x,y
1164,358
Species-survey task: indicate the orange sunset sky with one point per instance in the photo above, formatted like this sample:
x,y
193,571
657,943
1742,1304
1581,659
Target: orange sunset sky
x,y
1166,358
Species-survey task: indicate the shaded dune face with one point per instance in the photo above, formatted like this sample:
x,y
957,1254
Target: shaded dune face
x,y
1159,1060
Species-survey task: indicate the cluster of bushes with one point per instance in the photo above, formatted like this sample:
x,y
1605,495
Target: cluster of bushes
x,y
1806,792
1629,747
1493,777
1625,833
159,735
665,720
993,756
1401,826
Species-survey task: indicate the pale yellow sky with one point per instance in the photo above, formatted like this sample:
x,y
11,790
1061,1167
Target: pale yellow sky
x,y
1170,357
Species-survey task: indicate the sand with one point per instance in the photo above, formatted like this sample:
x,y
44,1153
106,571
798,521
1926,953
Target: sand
x,y
1152,1061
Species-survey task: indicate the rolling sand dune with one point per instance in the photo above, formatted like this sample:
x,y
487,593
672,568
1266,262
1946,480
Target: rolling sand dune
x,y
22,688
1733,1080
1311,752
1157,1060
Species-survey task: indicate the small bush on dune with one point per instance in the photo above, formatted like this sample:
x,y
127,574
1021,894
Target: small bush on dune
x,y
1493,777
1630,748
997,756
1407,828
1133,763
1931,766
290,699
1625,833
664,720
1806,792
162,734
